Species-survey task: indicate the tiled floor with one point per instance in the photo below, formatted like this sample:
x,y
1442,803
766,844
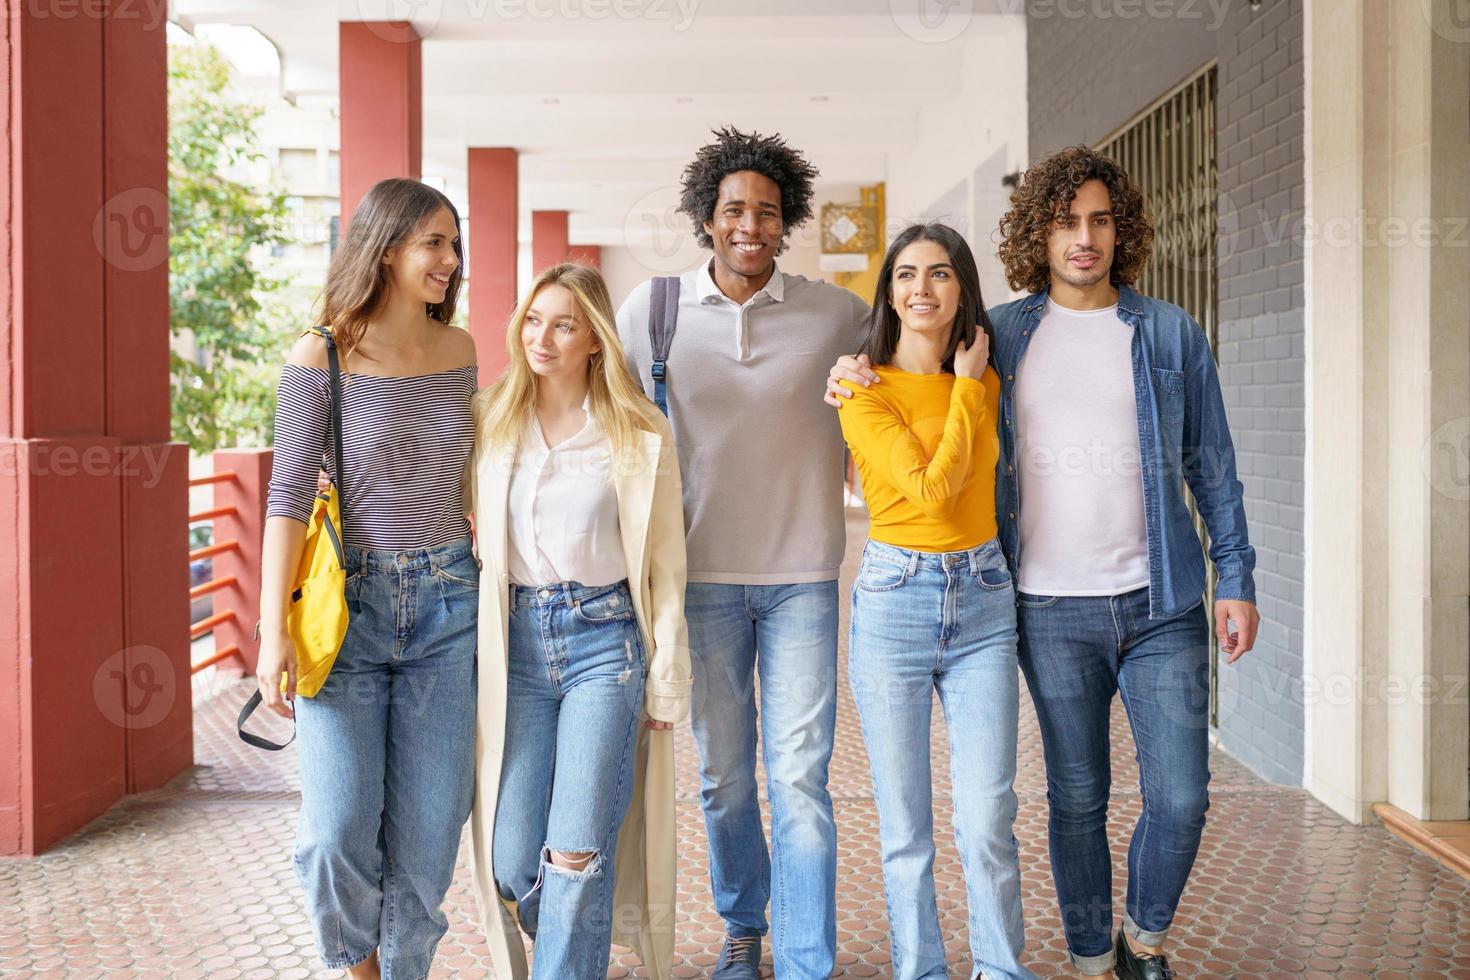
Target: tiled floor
x,y
195,881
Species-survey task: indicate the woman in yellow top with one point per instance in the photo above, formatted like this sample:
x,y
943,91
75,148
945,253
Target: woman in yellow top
x,y
933,608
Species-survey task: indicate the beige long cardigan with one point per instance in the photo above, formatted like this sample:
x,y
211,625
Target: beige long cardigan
x,y
651,519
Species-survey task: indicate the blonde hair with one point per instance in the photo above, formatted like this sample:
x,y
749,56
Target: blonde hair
x,y
357,280
614,399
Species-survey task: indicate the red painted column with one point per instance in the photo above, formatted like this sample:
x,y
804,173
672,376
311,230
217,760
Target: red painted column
x,y
92,499
548,240
154,472
382,106
588,255
494,181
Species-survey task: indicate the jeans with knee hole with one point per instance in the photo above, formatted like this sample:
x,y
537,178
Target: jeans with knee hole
x,y
386,753
786,634
1077,652
573,707
927,624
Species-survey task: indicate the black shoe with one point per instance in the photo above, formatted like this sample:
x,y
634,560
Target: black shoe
x,y
739,960
1132,966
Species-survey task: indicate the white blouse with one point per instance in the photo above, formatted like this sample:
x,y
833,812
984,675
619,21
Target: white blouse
x,y
564,510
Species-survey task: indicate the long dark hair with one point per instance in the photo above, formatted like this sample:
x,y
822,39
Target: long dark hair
x,y
357,281
885,326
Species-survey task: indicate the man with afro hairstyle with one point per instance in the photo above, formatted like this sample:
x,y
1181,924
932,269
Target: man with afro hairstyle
x,y
1110,404
762,464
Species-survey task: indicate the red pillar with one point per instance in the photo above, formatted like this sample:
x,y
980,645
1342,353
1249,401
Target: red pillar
x,y
382,106
93,501
548,240
494,180
588,255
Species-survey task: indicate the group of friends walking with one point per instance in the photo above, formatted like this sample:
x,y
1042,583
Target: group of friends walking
x,y
641,521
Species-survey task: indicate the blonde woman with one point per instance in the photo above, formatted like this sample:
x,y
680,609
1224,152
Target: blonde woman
x,y
583,649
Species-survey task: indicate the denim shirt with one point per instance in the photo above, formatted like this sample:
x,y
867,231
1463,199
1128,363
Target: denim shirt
x,y
1182,437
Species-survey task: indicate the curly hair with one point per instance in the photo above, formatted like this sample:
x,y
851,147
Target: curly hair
x,y
734,151
1045,193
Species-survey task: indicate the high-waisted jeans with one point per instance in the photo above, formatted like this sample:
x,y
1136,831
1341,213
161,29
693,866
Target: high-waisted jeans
x,y
922,623
573,707
386,753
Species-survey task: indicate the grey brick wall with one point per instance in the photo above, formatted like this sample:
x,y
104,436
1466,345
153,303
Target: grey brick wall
x,y
1088,75
1261,350
1091,66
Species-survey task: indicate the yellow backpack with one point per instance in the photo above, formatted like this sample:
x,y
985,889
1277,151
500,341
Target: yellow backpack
x,y
317,619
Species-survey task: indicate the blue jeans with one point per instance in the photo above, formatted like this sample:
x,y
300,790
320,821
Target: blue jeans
x,y
386,752
1077,652
573,706
924,622
789,634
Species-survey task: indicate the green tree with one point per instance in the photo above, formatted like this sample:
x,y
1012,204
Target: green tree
x,y
225,394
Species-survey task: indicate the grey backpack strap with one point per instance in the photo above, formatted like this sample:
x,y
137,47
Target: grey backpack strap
x,y
663,314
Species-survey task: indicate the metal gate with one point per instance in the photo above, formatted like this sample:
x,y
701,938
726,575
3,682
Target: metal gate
x,y
1169,151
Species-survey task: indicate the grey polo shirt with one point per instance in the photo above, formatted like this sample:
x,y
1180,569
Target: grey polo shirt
x,y
760,452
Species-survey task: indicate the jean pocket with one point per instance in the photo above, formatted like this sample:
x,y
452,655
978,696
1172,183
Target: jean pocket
x,y
993,576
1169,394
880,576
605,607
1028,600
463,571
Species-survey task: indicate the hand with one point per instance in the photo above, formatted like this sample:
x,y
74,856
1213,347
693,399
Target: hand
x,y
657,726
970,362
1247,621
277,657
858,370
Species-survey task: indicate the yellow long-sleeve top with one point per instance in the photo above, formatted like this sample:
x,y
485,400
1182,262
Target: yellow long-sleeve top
x,y
926,446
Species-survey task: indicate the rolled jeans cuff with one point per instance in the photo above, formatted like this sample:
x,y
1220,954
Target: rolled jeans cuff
x,y
1142,936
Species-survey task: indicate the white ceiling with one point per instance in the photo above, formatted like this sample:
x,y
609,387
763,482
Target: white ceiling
x,y
607,99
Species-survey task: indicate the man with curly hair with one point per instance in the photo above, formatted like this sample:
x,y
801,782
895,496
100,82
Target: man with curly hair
x,y
762,462
1110,403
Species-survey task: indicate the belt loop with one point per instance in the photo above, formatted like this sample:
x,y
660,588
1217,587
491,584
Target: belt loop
x,y
566,591
974,555
913,563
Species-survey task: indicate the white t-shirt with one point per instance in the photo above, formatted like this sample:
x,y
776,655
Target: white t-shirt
x,y
1077,457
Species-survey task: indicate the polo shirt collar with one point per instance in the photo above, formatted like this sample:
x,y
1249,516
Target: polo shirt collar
x,y
704,282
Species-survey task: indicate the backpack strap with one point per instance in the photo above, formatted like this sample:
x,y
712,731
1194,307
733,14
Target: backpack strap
x,y
663,314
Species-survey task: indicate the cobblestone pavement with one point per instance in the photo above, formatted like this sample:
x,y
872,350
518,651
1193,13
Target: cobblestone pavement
x,y
195,880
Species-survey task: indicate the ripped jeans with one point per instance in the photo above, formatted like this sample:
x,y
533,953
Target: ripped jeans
x,y
573,707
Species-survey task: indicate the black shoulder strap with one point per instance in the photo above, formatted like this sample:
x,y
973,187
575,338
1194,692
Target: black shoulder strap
x,y
334,386
663,315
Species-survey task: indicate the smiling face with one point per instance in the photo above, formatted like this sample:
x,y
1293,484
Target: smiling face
x,y
1080,245
924,289
422,265
746,226
558,340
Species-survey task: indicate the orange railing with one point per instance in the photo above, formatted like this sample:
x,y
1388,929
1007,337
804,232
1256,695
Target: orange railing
x,y
207,625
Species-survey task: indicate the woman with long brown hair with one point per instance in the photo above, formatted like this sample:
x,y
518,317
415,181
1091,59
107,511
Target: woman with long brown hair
x,y
387,743
583,647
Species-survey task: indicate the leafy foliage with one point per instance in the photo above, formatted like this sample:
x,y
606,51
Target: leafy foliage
x,y
221,304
